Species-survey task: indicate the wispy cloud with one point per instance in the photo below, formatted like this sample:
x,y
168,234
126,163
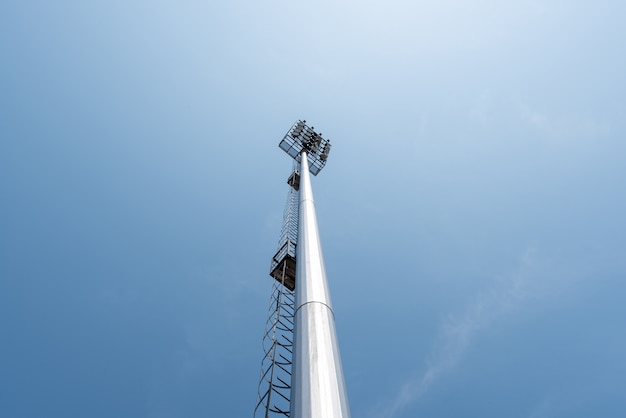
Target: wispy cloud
x,y
561,126
491,107
534,279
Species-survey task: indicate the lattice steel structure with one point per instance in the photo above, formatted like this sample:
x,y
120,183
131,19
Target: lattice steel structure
x,y
301,373
275,382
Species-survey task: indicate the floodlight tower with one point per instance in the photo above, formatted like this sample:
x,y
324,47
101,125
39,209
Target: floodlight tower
x,y
302,364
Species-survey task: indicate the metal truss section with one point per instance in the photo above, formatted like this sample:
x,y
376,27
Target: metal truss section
x,y
301,137
283,266
274,395
289,229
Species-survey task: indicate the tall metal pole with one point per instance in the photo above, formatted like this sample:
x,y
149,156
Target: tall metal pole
x,y
318,388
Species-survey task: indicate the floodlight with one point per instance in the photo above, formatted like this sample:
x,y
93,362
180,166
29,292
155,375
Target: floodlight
x,y
301,137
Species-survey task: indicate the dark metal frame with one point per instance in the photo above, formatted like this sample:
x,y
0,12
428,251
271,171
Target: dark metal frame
x,y
301,137
274,393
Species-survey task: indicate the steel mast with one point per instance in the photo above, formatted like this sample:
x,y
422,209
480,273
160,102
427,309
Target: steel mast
x,y
301,373
318,388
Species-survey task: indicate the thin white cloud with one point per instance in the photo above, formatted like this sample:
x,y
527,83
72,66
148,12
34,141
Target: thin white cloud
x,y
543,410
561,127
534,279
491,106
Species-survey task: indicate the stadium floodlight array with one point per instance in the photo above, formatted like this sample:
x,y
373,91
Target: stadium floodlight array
x,y
301,137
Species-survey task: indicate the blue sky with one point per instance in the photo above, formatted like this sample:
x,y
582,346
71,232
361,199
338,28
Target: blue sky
x,y
471,212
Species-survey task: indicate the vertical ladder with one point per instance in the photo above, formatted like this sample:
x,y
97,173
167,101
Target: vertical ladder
x,y
274,393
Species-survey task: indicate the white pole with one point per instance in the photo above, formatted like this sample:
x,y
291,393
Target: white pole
x,y
317,386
